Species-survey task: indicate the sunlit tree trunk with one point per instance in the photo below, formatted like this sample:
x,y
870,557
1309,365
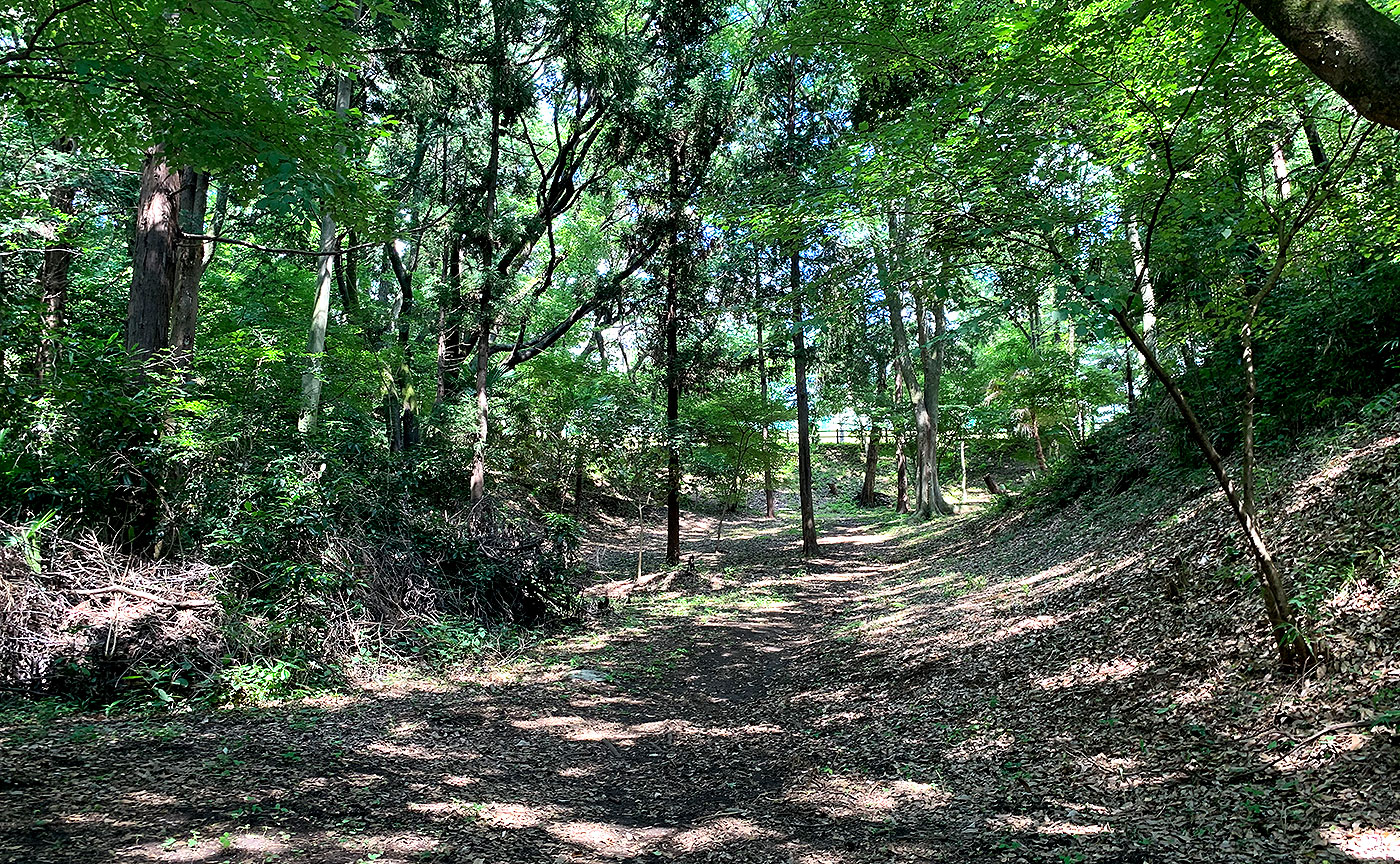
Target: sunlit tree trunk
x,y
923,423
804,427
321,306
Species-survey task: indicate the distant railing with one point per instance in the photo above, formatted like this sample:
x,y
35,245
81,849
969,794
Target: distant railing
x,y
857,435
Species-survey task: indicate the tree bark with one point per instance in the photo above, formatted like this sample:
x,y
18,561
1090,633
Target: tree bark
x,y
184,317
1353,47
932,352
804,428
54,278
153,258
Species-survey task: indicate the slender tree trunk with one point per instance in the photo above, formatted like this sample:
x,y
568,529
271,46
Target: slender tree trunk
x,y
804,429
1315,148
1039,445
962,457
321,307
872,445
490,276
673,372
54,272
404,431
770,504
153,258
1128,376
449,323
184,317
1144,280
1294,651
901,470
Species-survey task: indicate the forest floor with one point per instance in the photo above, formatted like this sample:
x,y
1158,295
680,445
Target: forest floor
x,y
960,691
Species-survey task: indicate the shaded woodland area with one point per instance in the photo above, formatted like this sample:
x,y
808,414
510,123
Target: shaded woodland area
x,y
419,430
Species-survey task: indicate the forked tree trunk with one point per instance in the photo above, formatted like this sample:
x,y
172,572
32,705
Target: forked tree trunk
x,y
804,430
153,258
54,277
923,423
932,353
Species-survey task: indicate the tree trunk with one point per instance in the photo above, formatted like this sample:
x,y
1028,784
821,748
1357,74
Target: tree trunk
x,y
184,317
901,472
922,422
320,318
1128,376
490,275
404,432
932,353
321,306
1353,47
1294,651
673,372
153,258
770,504
866,497
1144,279
1039,445
54,272
804,429
449,323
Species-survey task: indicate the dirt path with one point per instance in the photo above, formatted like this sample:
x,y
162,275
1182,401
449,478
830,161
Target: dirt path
x,y
928,694
702,742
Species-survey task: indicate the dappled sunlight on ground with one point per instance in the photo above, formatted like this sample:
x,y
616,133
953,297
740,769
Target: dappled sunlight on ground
x,y
953,691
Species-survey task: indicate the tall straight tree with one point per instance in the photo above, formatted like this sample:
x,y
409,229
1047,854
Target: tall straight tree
x,y
311,379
